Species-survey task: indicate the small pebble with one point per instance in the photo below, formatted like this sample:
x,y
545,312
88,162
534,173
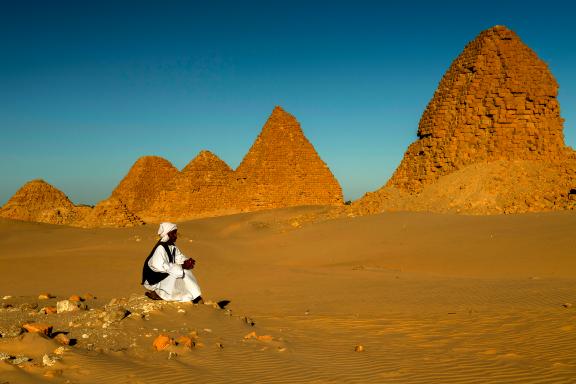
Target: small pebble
x,y
359,348
85,336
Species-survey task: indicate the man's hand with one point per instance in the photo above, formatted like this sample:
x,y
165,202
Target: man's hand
x,y
189,264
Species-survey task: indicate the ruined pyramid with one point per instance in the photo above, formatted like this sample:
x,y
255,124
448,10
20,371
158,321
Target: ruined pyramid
x,y
497,102
146,179
41,202
202,186
109,213
283,169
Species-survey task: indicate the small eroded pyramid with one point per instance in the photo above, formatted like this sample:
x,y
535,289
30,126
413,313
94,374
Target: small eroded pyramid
x,y
498,101
109,213
201,187
282,169
146,179
40,202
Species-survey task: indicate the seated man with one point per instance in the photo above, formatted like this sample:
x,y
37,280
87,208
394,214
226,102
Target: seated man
x,y
166,273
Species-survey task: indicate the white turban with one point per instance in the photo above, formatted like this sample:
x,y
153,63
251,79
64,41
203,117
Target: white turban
x,y
164,229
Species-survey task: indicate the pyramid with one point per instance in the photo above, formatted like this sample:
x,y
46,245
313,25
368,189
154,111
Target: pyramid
x,y
282,169
490,140
498,101
109,213
146,179
41,202
201,187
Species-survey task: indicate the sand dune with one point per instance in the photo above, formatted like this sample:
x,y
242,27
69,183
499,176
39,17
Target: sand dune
x,y
430,298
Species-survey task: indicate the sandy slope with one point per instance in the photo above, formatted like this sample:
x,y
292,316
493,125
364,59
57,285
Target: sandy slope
x,y
431,298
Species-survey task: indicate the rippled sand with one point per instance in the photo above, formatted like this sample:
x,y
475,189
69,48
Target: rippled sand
x,y
430,298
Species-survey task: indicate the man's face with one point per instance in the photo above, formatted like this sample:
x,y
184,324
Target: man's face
x,y
172,236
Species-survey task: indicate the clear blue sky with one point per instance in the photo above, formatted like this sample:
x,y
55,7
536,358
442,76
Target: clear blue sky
x,y
87,87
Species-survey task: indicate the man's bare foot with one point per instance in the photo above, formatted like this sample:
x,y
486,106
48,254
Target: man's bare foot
x,y
152,295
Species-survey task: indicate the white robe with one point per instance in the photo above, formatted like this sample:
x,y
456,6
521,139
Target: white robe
x,y
180,285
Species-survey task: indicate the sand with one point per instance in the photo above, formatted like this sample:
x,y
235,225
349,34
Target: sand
x,y
426,298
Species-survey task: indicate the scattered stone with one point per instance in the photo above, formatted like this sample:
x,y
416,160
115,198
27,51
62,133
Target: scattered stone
x,y
19,360
49,310
185,341
28,306
60,350
69,306
62,339
172,355
45,296
4,356
75,298
220,345
50,360
162,342
567,305
359,348
115,315
89,296
42,328
85,336
7,297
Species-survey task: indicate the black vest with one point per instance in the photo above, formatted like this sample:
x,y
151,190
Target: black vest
x,y
153,277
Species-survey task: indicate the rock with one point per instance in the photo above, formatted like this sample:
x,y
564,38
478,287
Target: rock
x,y
7,297
42,328
62,339
50,360
60,350
219,345
359,348
4,356
567,305
251,335
89,296
115,315
185,341
45,296
19,360
49,310
85,336
162,342
75,298
249,321
69,306
265,338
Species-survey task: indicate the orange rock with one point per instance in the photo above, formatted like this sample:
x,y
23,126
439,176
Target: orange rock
x,y
75,298
265,338
49,310
185,341
45,296
38,328
88,296
162,342
251,335
62,339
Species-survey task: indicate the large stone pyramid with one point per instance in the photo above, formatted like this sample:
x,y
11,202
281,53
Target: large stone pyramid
x,y
490,140
41,202
498,101
282,169
201,187
142,185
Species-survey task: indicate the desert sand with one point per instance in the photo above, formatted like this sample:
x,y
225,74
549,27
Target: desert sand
x,y
394,298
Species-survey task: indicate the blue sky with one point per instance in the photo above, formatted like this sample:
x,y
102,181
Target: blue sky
x,y
86,88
